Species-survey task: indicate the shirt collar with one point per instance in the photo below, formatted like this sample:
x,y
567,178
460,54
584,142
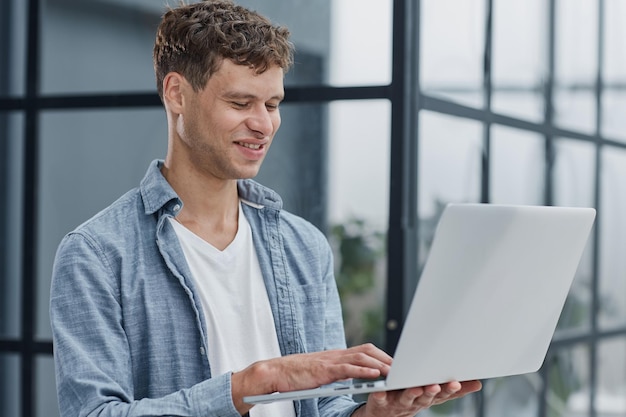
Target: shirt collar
x,y
156,192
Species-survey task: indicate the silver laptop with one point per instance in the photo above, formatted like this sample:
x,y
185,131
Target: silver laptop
x,y
488,299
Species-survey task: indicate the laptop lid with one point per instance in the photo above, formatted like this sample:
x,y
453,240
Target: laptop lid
x,y
488,299
491,292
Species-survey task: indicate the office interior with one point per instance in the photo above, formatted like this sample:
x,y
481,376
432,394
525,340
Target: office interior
x,y
393,109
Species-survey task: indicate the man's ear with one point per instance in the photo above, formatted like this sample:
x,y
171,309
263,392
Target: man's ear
x,y
173,85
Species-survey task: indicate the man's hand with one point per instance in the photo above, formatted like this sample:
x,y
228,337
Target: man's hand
x,y
308,370
311,370
408,402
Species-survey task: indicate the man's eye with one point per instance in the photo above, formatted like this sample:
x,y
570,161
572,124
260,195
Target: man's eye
x,y
239,105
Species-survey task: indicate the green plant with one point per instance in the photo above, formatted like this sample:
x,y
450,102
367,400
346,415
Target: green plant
x,y
359,250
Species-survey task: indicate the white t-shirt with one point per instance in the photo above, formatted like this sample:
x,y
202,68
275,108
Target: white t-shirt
x,y
240,324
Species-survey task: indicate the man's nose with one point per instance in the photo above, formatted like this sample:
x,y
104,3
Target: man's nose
x,y
261,121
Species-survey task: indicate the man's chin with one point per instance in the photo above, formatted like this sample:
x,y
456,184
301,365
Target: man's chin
x,y
248,174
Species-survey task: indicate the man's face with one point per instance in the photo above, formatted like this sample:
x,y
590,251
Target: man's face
x,y
227,128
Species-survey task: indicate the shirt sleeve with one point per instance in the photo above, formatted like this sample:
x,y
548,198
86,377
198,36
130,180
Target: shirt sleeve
x,y
91,351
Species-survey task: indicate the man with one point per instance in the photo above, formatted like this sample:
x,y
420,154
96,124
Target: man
x,y
196,289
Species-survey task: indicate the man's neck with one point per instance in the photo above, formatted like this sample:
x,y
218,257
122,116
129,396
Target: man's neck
x,y
210,206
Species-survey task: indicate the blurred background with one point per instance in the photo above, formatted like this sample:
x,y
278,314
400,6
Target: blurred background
x,y
394,108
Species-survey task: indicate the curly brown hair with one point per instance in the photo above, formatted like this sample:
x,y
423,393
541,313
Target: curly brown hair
x,y
194,39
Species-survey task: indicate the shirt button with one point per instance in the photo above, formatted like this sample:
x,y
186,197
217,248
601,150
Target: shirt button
x,y
177,207
202,350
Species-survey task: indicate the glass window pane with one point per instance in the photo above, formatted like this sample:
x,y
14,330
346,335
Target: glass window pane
x,y
10,385
102,46
512,396
614,63
574,175
46,402
611,387
613,105
614,70
358,190
358,160
452,48
11,187
360,45
575,108
519,58
87,160
568,382
612,225
517,166
576,64
13,32
450,154
463,407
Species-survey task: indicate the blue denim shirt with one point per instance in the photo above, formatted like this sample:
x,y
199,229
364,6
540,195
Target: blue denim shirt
x,y
128,329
